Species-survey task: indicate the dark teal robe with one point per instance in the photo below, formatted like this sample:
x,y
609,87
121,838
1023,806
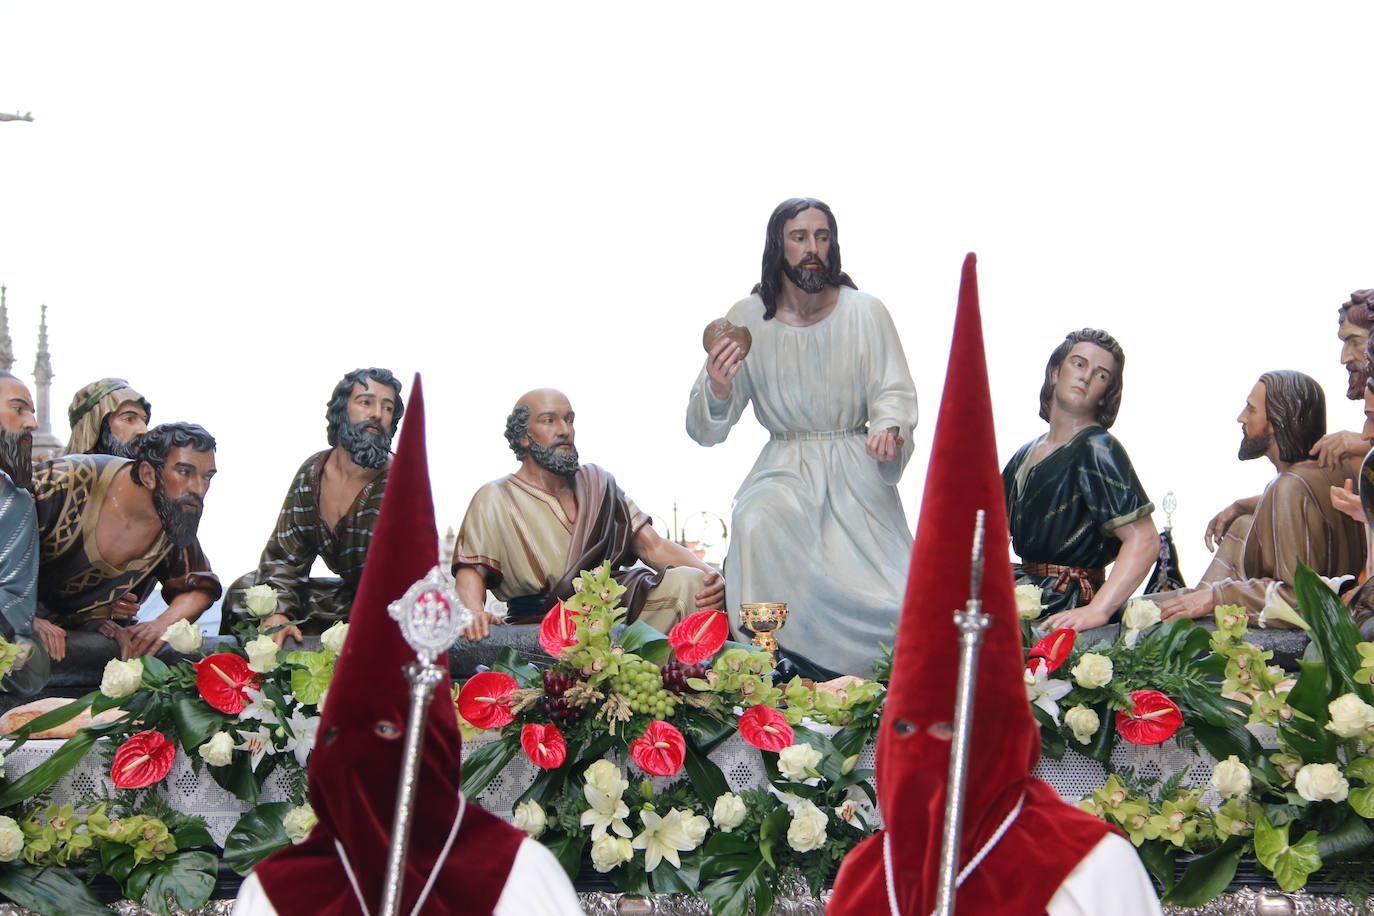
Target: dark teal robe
x,y
1064,509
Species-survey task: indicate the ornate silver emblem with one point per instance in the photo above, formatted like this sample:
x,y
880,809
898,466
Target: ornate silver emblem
x,y
430,615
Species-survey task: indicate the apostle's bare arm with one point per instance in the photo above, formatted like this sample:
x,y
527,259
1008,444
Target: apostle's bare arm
x,y
472,591
659,552
146,637
1139,550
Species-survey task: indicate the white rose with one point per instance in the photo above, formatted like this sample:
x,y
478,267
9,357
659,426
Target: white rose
x,y
606,778
11,839
218,751
1093,670
1231,777
262,654
121,678
807,830
729,812
1351,717
333,638
261,600
183,636
530,817
299,822
794,761
1140,614
695,826
610,851
1083,722
1028,603
1321,782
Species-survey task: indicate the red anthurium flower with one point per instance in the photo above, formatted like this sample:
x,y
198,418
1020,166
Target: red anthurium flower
x,y
545,745
483,699
699,636
1053,649
142,760
765,728
222,679
559,630
660,750
1153,718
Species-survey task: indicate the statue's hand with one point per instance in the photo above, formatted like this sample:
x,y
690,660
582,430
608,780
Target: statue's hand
x,y
125,606
481,625
1333,448
722,364
885,445
279,637
53,638
1346,500
1219,525
712,597
1193,604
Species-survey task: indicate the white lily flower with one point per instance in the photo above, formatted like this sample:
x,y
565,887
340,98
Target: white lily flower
x,y
1045,692
259,707
663,838
257,743
1275,608
605,813
302,738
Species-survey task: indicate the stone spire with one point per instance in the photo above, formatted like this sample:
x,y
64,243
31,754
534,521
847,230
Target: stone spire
x,y
6,345
45,444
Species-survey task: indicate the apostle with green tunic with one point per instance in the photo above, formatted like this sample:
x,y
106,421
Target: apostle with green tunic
x,y
1074,503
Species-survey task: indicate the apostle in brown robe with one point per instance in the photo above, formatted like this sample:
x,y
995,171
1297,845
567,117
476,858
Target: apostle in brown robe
x,y
528,535
1261,540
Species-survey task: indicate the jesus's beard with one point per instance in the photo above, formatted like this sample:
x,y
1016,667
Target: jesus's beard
x,y
1255,446
551,458
16,457
806,280
180,517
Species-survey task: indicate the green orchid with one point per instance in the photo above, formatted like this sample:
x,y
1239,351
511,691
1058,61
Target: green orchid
x,y
1365,673
1231,620
1237,817
1173,824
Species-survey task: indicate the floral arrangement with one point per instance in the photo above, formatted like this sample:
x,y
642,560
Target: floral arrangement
x,y
616,710
238,713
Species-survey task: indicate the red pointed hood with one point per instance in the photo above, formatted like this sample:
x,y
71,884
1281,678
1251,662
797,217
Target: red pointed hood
x,y
357,759
912,763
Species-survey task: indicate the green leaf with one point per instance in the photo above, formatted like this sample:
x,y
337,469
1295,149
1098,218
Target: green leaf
x,y
1223,742
481,766
1207,876
188,876
193,835
831,759
258,834
1362,800
1269,842
1345,842
237,776
155,672
195,721
117,861
707,779
1333,631
683,880
637,635
50,770
1312,691
773,829
1297,862
735,876
1208,706
1158,857
49,890
567,849
1361,768
508,661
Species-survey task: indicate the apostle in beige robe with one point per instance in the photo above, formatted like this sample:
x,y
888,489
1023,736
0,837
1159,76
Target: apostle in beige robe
x,y
527,536
1261,540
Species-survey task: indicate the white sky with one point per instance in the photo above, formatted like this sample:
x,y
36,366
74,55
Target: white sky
x,y
231,206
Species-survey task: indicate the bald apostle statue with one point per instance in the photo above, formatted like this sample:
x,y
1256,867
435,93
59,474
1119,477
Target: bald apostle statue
x,y
528,535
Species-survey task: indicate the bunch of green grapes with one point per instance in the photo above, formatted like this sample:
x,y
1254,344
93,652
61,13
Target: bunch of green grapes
x,y
641,683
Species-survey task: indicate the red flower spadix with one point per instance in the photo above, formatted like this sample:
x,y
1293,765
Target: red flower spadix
x,y
223,679
483,699
559,630
142,760
1052,650
660,750
544,745
699,636
766,728
1152,718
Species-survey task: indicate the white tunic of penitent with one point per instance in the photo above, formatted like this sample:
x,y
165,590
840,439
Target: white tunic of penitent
x,y
818,523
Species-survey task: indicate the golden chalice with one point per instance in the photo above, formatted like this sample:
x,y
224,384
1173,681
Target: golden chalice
x,y
764,620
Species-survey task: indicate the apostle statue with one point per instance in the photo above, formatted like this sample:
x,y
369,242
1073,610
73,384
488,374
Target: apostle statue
x,y
18,538
105,416
817,523
1074,503
1261,540
330,510
528,535
110,528
1356,320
